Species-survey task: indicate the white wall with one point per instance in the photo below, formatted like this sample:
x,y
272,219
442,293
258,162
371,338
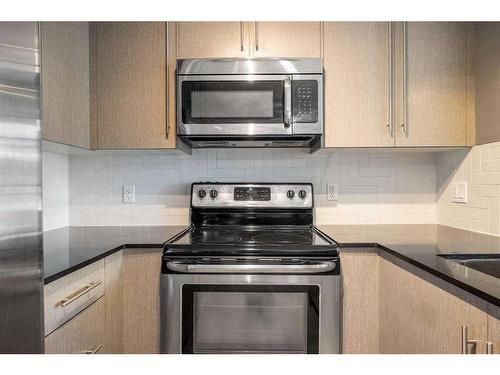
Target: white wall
x,y
375,187
55,189
480,168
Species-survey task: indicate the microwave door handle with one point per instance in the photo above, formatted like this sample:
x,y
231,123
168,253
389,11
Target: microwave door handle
x,y
287,116
186,267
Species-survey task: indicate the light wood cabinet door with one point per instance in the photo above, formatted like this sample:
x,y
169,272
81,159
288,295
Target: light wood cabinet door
x,y
360,302
129,72
357,92
114,303
432,58
419,317
494,328
73,286
65,82
83,334
212,40
141,300
286,39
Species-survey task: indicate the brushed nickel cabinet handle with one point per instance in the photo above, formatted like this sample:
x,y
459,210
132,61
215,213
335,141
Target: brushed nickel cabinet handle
x,y
167,78
256,36
489,347
466,342
241,37
390,60
405,125
93,350
87,288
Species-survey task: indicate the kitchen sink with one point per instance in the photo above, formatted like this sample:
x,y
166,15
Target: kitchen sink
x,y
485,263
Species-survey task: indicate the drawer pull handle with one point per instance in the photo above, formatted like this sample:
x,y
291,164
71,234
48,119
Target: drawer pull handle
x,y
489,347
94,350
466,342
87,288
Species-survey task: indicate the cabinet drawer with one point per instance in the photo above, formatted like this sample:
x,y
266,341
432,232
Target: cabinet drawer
x,y
84,334
66,297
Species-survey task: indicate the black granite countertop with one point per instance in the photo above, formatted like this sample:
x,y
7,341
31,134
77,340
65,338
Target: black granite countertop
x,y
420,244
68,249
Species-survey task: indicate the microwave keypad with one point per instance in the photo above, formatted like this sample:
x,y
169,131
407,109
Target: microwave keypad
x,y
305,101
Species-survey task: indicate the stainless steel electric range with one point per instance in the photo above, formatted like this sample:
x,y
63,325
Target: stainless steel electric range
x,y
251,274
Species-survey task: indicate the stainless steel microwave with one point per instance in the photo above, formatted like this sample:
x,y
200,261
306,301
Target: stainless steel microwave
x,y
250,102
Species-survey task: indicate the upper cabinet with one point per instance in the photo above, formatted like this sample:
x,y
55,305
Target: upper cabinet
x,y
129,85
357,63
397,84
248,39
431,70
487,81
111,85
65,82
285,39
212,40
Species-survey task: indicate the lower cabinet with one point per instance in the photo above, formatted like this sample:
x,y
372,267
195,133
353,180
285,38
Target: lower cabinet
x,y
141,300
114,303
388,307
83,334
493,331
417,316
360,302
121,317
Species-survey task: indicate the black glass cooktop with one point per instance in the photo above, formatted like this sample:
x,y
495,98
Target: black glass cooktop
x,y
262,239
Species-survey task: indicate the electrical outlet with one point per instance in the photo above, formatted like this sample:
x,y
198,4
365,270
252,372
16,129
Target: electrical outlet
x,y
128,193
332,192
459,192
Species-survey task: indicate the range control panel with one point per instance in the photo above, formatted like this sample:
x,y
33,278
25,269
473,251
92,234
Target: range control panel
x,y
252,195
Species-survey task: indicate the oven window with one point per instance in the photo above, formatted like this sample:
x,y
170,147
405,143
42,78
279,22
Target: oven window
x,y
232,102
250,319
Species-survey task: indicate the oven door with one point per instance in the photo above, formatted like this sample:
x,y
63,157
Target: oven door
x,y
234,105
259,313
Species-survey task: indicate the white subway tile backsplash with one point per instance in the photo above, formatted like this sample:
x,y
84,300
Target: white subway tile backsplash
x,y
480,168
374,187
55,169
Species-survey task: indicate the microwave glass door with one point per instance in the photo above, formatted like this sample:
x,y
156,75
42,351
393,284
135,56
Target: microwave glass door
x,y
233,102
250,319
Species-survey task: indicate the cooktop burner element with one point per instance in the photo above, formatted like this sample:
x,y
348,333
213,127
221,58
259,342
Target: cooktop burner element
x,y
281,239
215,238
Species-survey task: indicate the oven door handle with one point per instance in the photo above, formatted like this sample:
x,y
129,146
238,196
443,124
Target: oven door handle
x,y
189,267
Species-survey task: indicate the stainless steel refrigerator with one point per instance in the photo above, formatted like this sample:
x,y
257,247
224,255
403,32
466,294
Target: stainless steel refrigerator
x,y
21,287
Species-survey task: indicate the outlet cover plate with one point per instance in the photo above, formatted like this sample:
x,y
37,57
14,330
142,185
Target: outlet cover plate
x,y
128,193
332,192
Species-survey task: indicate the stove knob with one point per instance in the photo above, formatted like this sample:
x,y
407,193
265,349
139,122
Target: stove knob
x,y
213,193
202,194
290,194
302,194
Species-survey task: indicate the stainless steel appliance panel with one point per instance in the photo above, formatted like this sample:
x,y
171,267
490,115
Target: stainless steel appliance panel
x,y
21,312
225,194
249,66
329,306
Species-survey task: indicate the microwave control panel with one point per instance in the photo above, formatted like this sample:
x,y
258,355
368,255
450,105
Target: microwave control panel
x,y
305,101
